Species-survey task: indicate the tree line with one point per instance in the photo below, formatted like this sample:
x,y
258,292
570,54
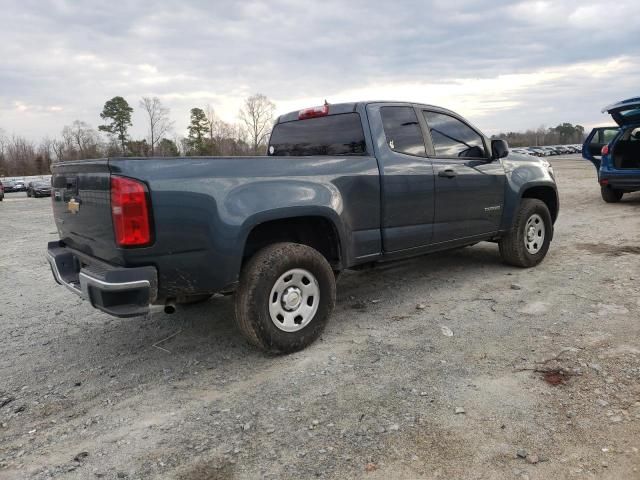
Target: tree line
x,y
207,134
563,134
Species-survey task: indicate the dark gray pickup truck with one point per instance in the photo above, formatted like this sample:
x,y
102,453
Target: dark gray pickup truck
x,y
343,186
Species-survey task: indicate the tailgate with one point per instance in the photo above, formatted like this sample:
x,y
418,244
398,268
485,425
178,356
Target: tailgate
x,y
80,196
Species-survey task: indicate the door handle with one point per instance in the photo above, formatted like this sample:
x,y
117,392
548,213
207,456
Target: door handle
x,y
448,172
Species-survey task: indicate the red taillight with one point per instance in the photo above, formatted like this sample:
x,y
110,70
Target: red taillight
x,y
604,182
313,112
605,150
130,212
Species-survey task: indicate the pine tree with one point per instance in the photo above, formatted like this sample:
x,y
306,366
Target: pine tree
x,y
198,128
119,112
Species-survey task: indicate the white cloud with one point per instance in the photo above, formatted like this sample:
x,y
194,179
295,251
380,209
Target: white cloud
x,y
505,65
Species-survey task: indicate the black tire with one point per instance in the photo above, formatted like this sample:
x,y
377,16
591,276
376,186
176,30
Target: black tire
x,y
258,278
611,195
512,245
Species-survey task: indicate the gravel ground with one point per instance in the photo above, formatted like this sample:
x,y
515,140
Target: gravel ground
x,y
447,366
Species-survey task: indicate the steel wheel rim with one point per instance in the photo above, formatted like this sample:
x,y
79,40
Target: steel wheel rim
x,y
294,300
534,233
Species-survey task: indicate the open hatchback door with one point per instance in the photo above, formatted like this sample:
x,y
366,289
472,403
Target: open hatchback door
x,y
626,112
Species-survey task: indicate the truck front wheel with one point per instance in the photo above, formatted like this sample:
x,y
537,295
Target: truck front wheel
x,y
287,293
527,243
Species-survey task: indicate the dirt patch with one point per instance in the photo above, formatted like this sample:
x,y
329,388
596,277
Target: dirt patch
x,y
555,377
207,470
609,249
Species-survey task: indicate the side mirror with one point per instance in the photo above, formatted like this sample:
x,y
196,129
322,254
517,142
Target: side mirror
x,y
500,149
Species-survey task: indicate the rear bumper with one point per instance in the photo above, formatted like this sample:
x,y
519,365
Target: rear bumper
x,y
630,183
118,291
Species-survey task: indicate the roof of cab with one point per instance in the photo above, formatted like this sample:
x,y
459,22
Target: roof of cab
x,y
339,108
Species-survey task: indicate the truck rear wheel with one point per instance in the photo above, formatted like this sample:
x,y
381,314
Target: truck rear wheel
x,y
611,195
527,243
287,293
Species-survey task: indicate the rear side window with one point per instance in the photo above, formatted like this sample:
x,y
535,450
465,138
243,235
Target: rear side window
x,y
402,130
453,138
605,135
331,135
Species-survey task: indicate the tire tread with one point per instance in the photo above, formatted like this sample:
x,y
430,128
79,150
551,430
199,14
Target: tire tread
x,y
262,264
511,246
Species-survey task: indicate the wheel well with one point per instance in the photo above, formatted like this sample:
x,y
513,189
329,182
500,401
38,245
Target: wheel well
x,y
547,195
315,232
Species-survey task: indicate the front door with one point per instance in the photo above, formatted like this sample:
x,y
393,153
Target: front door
x,y
469,186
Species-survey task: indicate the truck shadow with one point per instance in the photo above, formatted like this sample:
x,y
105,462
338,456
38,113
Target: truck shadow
x,y
209,326
97,356
163,348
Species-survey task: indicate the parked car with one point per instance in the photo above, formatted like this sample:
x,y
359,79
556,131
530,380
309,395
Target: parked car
x,y
551,150
8,186
538,152
344,186
1,192
615,151
39,188
562,150
19,186
522,151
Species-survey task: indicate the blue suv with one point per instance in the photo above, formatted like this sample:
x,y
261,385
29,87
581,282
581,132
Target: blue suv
x,y
615,151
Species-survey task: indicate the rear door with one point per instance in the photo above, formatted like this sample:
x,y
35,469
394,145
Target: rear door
x,y
80,196
407,179
469,186
598,138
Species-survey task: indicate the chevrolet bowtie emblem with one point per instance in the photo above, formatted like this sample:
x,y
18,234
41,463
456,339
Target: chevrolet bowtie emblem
x,y
73,206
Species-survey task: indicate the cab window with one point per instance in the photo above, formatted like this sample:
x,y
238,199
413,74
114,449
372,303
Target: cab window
x,y
402,130
453,138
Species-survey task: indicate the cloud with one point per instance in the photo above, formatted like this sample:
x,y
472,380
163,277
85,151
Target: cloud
x,y
506,65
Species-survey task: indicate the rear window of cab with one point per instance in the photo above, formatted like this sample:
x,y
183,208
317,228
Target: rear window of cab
x,y
327,135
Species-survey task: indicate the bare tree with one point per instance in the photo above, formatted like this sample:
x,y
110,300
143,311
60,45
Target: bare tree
x,y
59,150
3,148
158,120
20,153
211,120
81,141
43,159
257,117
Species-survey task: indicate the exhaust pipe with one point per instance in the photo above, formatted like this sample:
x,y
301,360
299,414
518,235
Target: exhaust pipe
x,y
170,307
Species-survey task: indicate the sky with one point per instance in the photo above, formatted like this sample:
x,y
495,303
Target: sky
x,y
505,65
